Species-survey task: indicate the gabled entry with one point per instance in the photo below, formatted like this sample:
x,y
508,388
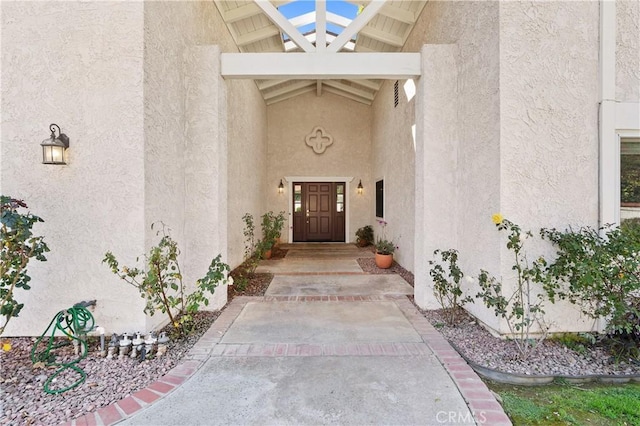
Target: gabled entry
x,y
319,211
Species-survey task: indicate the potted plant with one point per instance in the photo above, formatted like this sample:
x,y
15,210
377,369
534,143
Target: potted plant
x,y
364,236
384,249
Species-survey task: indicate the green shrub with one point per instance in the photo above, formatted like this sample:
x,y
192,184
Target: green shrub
x,y
446,284
19,246
161,283
522,308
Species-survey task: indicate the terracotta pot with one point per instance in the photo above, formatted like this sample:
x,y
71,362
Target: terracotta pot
x,y
384,261
267,254
363,243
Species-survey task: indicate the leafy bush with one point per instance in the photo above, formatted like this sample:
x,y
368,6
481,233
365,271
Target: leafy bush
x,y
446,284
19,246
364,235
599,272
523,308
161,283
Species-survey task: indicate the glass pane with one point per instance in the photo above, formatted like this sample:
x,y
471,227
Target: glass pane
x,y
297,189
297,197
340,189
630,180
341,198
298,207
340,207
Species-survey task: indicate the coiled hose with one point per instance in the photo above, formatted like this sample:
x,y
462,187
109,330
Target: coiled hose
x,y
74,323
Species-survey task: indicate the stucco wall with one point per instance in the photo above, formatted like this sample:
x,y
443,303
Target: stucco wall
x,y
472,28
79,65
549,121
349,123
393,160
628,50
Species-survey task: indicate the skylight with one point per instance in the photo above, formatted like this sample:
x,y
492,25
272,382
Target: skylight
x,y
302,14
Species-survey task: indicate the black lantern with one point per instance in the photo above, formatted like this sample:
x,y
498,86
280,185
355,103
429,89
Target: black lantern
x,y
54,148
360,187
280,187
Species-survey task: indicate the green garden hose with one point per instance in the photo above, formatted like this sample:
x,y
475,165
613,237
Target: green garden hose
x,y
74,323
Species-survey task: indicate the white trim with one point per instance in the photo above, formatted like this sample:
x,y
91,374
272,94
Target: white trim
x,y
347,66
609,146
347,190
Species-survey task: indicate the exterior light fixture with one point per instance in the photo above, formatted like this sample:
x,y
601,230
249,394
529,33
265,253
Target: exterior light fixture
x,y
360,187
280,187
54,148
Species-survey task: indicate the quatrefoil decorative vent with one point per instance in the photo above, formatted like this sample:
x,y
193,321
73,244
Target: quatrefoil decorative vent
x,y
318,140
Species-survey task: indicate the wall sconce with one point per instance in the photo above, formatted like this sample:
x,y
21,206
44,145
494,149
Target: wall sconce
x,y
54,148
360,187
280,187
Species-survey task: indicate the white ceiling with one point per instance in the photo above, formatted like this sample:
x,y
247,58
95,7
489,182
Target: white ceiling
x,y
380,26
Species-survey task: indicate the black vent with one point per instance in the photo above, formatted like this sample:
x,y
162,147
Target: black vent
x,y
395,94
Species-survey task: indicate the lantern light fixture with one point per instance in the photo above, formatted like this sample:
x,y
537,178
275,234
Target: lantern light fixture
x,y
360,187
280,187
54,148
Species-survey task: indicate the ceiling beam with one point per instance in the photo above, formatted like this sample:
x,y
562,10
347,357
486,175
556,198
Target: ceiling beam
x,y
356,25
382,36
321,25
257,35
289,95
283,23
347,66
348,95
266,84
350,89
373,85
243,12
288,88
398,14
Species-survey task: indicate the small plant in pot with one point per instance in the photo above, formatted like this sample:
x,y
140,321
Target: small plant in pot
x,y
364,236
384,249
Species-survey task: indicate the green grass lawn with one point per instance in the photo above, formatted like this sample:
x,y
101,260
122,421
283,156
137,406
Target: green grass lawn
x,y
565,404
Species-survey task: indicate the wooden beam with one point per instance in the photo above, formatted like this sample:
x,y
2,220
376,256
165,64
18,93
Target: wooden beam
x,y
319,88
288,88
289,95
382,36
243,12
321,25
347,66
350,89
348,95
373,85
283,23
266,84
257,35
361,20
398,14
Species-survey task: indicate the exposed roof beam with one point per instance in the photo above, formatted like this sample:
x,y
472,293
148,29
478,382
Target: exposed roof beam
x,y
348,95
288,88
290,95
321,25
398,14
358,23
319,88
266,84
257,35
373,85
382,36
349,89
244,12
339,20
347,66
283,23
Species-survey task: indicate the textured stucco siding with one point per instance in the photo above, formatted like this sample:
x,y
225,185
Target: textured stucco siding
x,y
349,123
628,50
549,122
79,65
394,161
247,162
472,29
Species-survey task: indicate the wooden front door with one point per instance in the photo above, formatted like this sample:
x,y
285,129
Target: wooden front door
x,y
318,211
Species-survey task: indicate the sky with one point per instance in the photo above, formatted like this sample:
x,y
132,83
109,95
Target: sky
x,y
300,7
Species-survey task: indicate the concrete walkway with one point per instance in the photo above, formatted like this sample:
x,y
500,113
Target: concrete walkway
x,y
317,349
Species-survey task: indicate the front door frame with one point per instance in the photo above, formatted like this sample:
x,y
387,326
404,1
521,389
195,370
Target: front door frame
x,y
347,190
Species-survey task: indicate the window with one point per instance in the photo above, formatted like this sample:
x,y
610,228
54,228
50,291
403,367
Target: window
x,y
380,198
297,198
340,197
629,178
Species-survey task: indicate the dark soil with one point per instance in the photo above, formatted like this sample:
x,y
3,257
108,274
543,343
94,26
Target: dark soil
x,y
368,265
248,283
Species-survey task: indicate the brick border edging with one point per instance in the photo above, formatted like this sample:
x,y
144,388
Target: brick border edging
x,y
481,401
192,362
